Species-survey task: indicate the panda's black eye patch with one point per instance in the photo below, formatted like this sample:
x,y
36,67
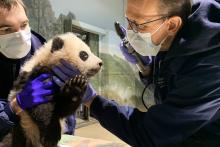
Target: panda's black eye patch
x,y
83,55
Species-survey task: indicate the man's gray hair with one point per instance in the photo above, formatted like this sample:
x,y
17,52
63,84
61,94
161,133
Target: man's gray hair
x,y
181,8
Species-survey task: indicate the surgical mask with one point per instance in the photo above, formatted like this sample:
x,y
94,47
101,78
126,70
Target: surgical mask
x,y
16,45
142,42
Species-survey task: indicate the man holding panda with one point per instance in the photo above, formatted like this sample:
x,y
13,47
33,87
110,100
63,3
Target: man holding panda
x,y
184,44
17,44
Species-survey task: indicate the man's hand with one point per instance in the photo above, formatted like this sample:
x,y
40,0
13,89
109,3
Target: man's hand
x,y
147,60
35,92
64,72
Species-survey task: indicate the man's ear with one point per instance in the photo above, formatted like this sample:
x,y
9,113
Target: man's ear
x,y
57,44
175,23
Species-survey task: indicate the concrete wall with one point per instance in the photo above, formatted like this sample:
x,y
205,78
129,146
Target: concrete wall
x,y
100,13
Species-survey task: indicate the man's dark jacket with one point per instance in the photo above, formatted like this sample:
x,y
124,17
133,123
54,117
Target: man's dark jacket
x,y
187,90
9,71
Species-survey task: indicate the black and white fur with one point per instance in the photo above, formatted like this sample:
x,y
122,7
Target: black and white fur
x,y
41,126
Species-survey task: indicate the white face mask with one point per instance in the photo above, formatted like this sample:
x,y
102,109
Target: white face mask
x,y
143,44
16,45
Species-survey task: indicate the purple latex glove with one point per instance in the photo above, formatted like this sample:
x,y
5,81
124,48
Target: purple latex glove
x,y
70,125
147,60
64,72
89,94
35,92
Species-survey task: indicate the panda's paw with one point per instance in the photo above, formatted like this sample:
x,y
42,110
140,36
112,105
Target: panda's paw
x,y
76,86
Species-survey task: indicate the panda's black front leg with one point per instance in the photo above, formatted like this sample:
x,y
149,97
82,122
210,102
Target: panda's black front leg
x,y
52,134
70,96
67,101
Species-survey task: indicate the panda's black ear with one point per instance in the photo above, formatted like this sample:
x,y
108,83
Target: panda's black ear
x,y
57,44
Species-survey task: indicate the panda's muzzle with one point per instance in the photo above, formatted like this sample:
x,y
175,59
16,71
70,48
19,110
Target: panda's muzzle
x,y
93,71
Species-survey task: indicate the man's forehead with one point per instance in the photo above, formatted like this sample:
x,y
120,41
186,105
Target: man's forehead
x,y
142,8
14,9
15,15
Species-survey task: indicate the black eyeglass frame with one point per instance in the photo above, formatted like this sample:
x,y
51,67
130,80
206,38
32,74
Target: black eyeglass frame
x,y
136,29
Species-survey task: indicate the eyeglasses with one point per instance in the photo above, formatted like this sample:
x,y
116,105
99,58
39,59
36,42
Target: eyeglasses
x,y
136,27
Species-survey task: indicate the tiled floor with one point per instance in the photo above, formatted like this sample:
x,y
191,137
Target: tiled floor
x,y
96,131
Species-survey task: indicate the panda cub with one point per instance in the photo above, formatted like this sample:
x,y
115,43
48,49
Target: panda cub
x,y
41,126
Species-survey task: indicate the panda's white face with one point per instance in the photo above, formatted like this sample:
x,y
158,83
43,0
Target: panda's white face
x,y
91,63
79,54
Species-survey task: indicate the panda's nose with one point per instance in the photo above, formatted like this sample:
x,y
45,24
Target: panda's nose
x,y
100,64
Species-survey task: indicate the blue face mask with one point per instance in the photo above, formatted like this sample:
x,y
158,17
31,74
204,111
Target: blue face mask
x,y
142,42
16,45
